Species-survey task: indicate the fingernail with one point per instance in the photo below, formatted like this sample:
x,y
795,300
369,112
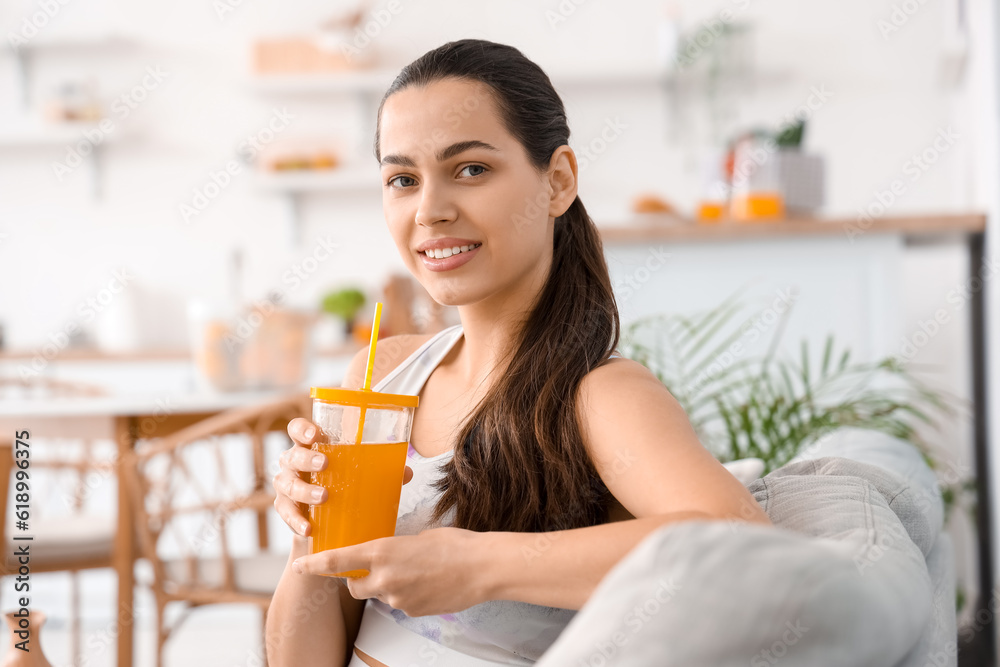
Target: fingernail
x,y
318,461
317,495
310,431
297,567
302,527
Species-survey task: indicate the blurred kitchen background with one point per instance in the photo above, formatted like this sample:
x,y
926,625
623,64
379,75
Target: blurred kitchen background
x,y
190,220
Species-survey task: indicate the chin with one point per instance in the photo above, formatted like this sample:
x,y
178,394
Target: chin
x,y
453,292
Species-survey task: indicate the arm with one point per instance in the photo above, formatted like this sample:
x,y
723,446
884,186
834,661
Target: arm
x,y
311,619
645,450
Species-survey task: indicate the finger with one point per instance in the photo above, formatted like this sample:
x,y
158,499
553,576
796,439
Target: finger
x,y
292,516
407,474
303,459
362,588
344,559
287,482
302,431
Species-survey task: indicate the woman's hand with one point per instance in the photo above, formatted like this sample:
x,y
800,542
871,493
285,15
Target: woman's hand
x,y
434,572
292,490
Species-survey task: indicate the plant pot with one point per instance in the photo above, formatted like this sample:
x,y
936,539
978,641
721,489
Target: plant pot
x,y
800,179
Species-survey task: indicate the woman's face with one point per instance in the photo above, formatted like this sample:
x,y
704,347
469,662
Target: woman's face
x,y
453,176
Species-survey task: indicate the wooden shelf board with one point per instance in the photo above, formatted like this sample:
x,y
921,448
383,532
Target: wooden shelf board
x,y
330,180
652,227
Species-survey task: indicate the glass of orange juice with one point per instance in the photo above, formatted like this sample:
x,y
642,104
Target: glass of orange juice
x,y
364,435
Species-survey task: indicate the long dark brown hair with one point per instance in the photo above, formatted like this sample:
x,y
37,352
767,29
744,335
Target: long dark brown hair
x,y
520,463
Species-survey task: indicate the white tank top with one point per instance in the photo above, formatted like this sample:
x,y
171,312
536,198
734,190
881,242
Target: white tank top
x,y
504,631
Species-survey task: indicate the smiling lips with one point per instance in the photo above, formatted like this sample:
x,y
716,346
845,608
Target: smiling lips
x,y
448,258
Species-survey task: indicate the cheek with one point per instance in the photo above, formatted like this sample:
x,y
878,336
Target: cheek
x,y
397,226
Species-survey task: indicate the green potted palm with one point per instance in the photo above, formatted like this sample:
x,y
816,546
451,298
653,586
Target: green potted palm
x,y
769,407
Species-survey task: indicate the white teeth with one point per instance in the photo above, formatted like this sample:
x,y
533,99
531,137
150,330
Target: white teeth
x,y
441,253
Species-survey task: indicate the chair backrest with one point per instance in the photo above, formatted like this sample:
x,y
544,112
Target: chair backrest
x,y
192,487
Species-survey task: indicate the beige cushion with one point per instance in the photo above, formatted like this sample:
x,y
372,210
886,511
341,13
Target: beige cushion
x,y
67,537
258,573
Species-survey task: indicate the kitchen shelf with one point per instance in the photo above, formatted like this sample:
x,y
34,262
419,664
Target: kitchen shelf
x,y
653,227
377,80
29,133
296,184
341,179
110,41
97,42
166,354
349,81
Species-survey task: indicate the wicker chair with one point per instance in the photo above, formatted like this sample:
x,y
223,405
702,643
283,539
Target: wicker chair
x,y
81,541
190,503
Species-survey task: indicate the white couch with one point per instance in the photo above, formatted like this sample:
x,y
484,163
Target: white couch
x,y
857,571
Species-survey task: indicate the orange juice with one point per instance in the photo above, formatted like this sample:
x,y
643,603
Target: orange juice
x,y
757,206
363,485
710,211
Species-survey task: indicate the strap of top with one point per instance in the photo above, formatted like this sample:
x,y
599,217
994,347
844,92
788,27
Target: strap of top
x,y
411,374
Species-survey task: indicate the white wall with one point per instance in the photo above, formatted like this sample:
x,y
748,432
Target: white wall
x,y
60,247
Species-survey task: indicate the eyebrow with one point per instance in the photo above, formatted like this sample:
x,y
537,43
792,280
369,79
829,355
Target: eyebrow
x,y
444,154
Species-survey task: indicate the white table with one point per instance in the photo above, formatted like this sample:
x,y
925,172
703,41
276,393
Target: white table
x,y
124,420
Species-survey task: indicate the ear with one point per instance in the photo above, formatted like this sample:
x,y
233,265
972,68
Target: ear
x,y
562,180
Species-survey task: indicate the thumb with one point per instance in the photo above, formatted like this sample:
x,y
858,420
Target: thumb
x,y
407,474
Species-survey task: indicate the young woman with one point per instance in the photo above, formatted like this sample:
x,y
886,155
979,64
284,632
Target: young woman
x,y
538,457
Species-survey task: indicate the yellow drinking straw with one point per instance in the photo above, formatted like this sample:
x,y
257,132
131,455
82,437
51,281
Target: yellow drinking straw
x,y
371,364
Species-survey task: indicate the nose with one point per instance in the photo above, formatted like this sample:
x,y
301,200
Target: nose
x,y
435,205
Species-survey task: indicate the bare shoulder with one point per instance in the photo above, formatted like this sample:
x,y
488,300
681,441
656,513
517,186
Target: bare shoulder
x,y
644,448
623,389
391,351
617,375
